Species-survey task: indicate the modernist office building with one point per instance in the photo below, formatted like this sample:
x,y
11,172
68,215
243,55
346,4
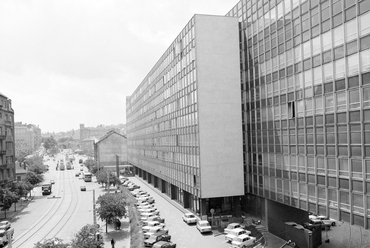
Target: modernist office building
x,y
305,89
184,131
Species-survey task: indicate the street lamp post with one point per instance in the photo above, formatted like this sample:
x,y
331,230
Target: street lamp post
x,y
94,210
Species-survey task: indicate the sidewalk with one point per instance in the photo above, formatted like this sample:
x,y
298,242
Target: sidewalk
x,y
122,236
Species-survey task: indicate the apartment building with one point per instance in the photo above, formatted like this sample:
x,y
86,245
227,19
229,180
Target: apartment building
x,y
184,132
7,157
24,141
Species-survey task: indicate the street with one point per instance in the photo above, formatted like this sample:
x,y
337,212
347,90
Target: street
x,y
185,236
61,214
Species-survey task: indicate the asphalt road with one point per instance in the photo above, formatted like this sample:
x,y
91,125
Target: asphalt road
x,y
61,214
185,236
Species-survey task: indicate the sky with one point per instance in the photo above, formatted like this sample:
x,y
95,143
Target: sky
x,y
70,62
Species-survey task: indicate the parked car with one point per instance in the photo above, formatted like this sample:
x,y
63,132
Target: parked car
x,y
153,218
149,210
164,244
156,238
233,234
52,181
148,206
5,224
77,174
145,216
83,188
151,224
154,230
189,218
326,220
231,226
314,224
293,224
243,241
203,226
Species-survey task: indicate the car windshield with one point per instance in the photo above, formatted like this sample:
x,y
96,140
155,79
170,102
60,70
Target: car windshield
x,y
203,224
190,216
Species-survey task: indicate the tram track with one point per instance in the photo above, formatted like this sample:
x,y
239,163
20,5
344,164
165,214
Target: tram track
x,y
64,177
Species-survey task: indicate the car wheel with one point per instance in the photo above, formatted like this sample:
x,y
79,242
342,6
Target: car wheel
x,y
333,224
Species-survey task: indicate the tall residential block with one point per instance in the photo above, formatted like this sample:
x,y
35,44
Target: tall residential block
x,y
7,149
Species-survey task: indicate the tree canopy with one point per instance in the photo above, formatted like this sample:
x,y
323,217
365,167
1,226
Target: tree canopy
x,y
102,177
49,143
33,178
51,243
87,237
112,206
7,197
35,164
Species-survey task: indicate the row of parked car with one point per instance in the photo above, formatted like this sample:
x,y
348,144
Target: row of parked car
x,y
315,222
153,226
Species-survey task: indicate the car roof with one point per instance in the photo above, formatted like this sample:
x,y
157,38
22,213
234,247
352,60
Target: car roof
x,y
160,243
189,214
243,236
203,221
238,229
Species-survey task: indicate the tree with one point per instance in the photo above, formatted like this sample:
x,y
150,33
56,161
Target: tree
x,y
102,177
52,243
50,142
90,164
35,164
21,188
33,178
112,206
7,198
87,237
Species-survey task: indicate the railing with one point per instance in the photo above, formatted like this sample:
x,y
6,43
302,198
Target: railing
x,y
8,123
3,152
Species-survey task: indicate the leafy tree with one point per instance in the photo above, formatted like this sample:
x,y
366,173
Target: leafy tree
x,y
90,163
54,150
87,238
102,177
7,198
52,243
33,178
50,142
35,164
112,206
21,188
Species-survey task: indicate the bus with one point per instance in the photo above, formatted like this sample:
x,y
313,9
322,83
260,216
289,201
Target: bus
x,y
61,165
87,176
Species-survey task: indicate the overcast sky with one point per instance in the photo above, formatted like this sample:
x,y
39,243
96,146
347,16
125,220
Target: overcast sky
x,y
68,62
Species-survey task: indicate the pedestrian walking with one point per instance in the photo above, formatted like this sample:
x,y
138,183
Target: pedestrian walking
x,y
112,242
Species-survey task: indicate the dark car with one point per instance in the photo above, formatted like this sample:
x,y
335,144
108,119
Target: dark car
x,y
80,161
314,224
156,238
164,244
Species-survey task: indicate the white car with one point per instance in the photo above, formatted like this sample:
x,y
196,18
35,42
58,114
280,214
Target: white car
x,y
151,224
189,218
231,226
146,206
149,210
145,216
295,225
243,241
233,234
154,230
326,220
203,226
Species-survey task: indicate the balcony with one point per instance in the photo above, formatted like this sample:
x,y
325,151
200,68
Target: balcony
x,y
2,136
8,123
2,152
